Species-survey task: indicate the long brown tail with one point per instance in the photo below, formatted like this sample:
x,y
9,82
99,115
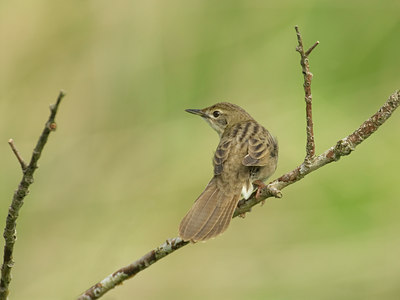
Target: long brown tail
x,y
210,215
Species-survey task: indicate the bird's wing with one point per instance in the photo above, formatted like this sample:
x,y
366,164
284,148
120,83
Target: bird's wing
x,y
221,154
261,148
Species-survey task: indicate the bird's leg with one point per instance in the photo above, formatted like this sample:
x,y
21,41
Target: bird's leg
x,y
260,185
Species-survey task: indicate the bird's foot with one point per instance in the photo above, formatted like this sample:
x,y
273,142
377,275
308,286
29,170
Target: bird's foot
x,y
260,185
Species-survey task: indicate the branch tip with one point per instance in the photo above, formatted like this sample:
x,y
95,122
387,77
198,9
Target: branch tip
x,y
17,155
311,48
61,95
54,106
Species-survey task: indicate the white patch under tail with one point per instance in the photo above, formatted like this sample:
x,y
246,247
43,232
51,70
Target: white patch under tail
x,y
247,190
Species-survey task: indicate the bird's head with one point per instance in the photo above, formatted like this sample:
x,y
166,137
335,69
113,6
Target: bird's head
x,y
222,115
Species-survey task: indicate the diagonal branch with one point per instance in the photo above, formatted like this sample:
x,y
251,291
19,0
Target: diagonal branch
x,y
311,163
119,276
18,198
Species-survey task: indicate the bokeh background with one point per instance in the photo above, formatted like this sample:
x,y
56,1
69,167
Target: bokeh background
x,y
126,161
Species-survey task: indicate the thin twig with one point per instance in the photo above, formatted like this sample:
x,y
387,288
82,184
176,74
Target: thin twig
x,y
310,146
18,199
311,48
18,155
341,148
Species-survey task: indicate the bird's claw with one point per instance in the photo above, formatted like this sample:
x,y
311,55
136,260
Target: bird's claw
x,y
260,185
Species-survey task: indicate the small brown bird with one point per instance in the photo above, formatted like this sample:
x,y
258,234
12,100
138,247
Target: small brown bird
x,y
247,155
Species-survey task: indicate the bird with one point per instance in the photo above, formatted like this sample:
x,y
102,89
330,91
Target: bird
x,y
247,154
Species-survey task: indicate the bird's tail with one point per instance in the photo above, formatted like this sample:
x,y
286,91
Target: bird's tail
x,y
210,215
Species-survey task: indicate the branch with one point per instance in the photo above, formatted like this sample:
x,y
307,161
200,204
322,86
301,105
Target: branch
x,y
116,278
273,189
310,146
19,157
342,148
18,199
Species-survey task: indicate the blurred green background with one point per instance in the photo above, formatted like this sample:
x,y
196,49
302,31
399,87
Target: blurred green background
x,y
127,162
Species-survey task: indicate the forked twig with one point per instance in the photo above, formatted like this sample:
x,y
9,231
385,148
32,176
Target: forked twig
x,y
310,146
18,198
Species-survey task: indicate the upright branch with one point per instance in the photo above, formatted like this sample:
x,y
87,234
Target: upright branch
x,y
311,163
19,195
310,146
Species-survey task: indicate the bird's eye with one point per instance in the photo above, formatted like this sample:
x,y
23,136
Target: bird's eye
x,y
216,114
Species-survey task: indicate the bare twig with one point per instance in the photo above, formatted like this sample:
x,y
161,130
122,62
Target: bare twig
x,y
18,155
310,146
18,198
273,189
311,48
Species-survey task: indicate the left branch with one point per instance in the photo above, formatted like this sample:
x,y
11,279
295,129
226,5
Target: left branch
x,y
19,195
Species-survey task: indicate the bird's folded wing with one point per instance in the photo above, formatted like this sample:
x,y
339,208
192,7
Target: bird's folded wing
x,y
260,149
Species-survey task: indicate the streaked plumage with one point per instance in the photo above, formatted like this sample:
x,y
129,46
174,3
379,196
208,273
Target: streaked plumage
x,y
246,152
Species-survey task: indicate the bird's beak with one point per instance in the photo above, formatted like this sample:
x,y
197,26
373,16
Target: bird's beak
x,y
198,112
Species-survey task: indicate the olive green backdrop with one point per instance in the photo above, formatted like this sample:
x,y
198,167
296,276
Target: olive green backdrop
x,y
126,161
